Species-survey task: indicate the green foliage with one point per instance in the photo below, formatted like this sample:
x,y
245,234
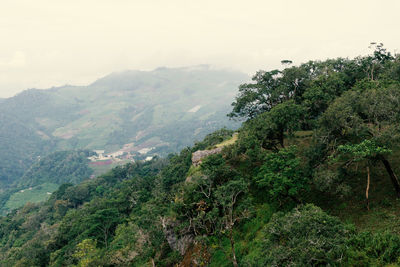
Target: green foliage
x,y
255,98
366,124
367,149
306,236
59,167
268,130
213,138
176,171
281,175
33,195
356,116
374,249
87,253
322,92
210,196
44,176
20,146
314,83
129,245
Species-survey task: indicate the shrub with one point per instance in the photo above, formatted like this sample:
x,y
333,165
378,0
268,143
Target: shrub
x,y
306,236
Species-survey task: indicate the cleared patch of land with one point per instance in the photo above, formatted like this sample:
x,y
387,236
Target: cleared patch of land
x,y
33,195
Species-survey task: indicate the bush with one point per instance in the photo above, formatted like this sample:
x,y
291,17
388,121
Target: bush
x,y
306,236
374,249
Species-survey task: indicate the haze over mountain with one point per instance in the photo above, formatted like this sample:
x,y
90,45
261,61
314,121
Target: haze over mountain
x,y
139,112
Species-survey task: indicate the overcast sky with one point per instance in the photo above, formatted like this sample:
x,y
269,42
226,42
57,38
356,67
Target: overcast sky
x,y
46,43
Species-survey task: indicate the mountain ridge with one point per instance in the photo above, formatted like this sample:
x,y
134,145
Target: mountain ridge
x,y
140,107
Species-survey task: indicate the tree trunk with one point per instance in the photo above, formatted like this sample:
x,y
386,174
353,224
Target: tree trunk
x,y
281,139
367,190
392,175
295,199
234,260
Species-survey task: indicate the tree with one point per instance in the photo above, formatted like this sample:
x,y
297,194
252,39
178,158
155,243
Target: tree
x,y
306,236
322,91
256,98
281,175
87,254
271,88
234,209
367,151
271,127
372,114
129,245
102,224
373,64
214,201
175,172
285,118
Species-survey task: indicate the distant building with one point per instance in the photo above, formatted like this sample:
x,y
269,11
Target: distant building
x,y
100,153
116,154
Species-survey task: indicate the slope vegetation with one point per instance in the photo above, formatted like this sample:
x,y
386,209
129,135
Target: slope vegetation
x,y
307,181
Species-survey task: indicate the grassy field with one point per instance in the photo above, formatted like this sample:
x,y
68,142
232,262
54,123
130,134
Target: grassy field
x,y
228,142
33,195
43,192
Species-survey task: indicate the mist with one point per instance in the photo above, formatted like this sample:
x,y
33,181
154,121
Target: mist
x,y
51,43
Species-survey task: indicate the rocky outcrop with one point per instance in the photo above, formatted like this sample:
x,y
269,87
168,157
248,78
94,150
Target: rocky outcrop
x,y
194,253
201,154
177,241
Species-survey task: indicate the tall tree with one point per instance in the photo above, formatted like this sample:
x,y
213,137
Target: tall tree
x,y
372,114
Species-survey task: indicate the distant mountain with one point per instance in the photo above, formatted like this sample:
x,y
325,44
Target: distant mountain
x,y
142,113
20,145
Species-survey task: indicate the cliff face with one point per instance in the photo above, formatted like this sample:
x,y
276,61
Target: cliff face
x,y
201,154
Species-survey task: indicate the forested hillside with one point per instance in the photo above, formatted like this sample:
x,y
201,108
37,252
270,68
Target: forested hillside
x,y
59,167
20,145
143,113
309,179
44,177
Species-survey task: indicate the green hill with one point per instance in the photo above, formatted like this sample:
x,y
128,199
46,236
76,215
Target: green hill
x,y
44,176
143,113
20,145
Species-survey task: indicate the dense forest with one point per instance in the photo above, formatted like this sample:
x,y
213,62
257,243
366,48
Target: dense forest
x,y
59,167
308,180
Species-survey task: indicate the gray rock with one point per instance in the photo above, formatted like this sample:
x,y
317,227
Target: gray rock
x,y
177,241
201,154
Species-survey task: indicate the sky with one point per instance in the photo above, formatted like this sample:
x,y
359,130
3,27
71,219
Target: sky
x,y
46,43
